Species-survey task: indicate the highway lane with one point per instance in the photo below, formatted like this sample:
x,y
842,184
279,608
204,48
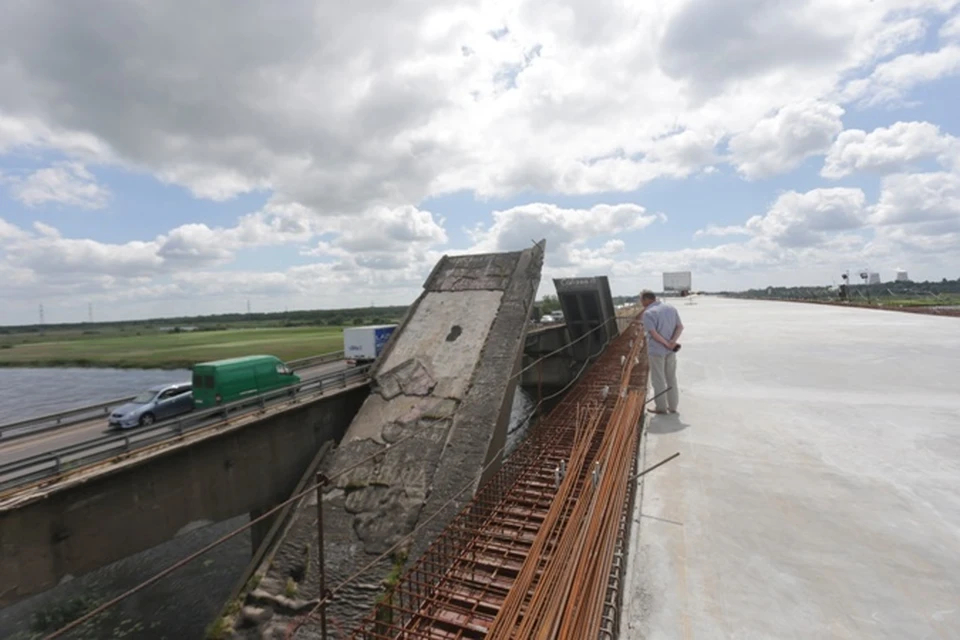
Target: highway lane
x,y
80,432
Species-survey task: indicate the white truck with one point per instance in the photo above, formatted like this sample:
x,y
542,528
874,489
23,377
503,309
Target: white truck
x,y
362,345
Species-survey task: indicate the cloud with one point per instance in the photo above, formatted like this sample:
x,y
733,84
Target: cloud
x,y
920,198
339,109
66,183
887,149
384,229
890,82
714,230
951,29
567,231
745,38
802,219
346,120
780,143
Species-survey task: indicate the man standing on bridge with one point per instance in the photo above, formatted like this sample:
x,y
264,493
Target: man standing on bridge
x,y
662,324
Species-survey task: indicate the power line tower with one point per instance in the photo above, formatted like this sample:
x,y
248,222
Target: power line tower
x,y
248,305
90,312
41,317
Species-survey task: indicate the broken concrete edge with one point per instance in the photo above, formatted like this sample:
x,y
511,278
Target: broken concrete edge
x,y
23,496
346,548
392,341
249,580
496,357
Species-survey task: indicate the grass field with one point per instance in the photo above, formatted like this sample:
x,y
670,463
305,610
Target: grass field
x,y
156,350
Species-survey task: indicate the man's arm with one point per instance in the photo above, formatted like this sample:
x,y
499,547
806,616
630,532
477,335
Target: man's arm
x,y
654,334
676,334
659,338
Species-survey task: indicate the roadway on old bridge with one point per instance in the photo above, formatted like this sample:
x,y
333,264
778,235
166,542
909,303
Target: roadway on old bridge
x,y
87,430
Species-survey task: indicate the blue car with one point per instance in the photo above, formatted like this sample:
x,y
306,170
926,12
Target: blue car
x,y
157,403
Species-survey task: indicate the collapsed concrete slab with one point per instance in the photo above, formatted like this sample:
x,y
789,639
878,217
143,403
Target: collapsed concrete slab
x,y
437,415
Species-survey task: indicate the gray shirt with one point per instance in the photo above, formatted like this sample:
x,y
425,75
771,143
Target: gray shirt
x,y
664,320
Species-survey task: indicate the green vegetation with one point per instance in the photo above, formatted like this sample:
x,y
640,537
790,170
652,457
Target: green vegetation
x,y
171,350
888,294
222,627
176,343
219,629
382,611
550,303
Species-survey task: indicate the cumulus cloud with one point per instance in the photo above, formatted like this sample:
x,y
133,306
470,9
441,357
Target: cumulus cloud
x,y
388,230
339,109
383,239
887,149
780,143
718,231
801,219
920,198
890,81
564,229
951,29
348,120
67,183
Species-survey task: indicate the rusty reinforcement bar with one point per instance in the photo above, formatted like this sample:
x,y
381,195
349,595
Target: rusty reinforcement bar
x,y
551,495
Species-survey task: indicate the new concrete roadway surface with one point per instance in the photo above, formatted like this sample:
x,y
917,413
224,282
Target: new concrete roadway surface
x,y
27,446
817,494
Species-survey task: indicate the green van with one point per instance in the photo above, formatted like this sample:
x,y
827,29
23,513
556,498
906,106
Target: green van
x,y
226,381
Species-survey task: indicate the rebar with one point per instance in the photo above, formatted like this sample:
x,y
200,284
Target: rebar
x,y
531,555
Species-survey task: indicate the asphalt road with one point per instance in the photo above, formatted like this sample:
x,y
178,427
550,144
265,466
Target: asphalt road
x,y
32,445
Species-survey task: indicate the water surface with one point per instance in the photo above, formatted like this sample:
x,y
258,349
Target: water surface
x,y
29,393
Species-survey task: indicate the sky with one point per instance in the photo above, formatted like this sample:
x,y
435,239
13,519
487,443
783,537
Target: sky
x,y
178,158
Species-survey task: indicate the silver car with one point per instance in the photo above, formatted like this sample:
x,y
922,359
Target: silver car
x,y
156,403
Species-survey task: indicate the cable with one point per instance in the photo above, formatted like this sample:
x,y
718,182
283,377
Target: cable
x,y
570,344
383,556
325,599
313,487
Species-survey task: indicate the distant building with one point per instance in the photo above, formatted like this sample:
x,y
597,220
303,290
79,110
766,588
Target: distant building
x,y
678,281
873,278
902,276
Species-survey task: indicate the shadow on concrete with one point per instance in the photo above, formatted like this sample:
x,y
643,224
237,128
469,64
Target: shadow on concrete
x,y
669,423
666,520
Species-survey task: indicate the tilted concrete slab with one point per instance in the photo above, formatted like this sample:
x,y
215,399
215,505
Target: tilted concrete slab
x,y
442,397
816,494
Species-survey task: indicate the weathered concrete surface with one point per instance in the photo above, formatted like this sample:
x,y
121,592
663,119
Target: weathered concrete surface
x,y
588,311
816,494
127,507
447,376
556,364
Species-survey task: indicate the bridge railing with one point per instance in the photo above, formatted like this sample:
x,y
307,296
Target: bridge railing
x,y
102,409
111,445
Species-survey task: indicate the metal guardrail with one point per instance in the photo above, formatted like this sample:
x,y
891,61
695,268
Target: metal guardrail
x,y
70,417
51,463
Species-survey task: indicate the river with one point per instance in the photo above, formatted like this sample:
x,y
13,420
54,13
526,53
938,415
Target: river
x,y
30,393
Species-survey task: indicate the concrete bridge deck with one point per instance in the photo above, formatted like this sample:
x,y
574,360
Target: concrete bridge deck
x,y
816,495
